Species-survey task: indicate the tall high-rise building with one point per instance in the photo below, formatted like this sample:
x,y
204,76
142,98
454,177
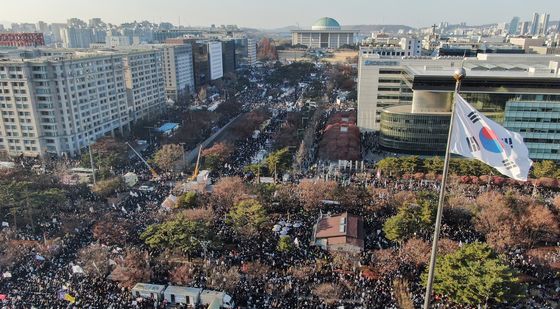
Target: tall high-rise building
x,y
42,26
543,23
178,70
534,24
97,23
524,28
56,32
73,37
513,25
245,52
201,64
144,79
23,27
252,51
59,104
228,56
215,62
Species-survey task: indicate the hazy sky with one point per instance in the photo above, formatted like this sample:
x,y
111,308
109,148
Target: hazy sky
x,y
278,13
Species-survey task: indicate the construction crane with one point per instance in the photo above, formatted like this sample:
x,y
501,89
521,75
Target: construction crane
x,y
153,171
195,173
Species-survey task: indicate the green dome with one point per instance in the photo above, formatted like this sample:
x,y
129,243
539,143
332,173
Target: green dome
x,y
326,23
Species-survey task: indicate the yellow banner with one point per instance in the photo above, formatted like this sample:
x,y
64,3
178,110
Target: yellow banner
x,y
70,298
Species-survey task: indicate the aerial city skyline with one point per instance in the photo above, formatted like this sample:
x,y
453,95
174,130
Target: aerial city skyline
x,y
257,154
270,15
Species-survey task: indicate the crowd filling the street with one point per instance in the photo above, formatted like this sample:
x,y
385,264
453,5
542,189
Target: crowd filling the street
x,y
272,197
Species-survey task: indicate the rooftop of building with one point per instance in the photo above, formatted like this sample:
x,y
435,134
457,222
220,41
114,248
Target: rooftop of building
x,y
59,54
326,23
504,70
340,225
494,65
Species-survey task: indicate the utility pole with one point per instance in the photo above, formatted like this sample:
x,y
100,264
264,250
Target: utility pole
x,y
92,166
184,153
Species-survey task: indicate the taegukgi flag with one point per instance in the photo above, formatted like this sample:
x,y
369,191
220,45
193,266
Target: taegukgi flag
x,y
476,136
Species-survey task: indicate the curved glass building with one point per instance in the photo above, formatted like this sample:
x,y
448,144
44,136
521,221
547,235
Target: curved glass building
x,y
404,131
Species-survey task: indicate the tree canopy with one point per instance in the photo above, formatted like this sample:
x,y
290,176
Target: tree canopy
x,y
545,168
394,167
216,156
177,234
107,153
168,157
412,219
279,161
475,275
247,216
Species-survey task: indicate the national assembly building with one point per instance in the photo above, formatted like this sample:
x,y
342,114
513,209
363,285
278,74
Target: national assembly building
x,y
325,33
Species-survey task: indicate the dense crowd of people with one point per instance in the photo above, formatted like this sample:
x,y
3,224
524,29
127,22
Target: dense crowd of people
x,y
288,279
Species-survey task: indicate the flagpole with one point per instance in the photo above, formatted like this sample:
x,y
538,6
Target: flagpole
x,y
459,74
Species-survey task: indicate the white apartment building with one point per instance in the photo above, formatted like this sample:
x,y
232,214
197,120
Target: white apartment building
x,y
144,79
215,60
178,70
73,37
252,52
59,104
412,46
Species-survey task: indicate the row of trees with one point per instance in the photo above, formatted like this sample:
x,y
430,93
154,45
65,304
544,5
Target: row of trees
x,y
397,167
507,221
192,234
275,164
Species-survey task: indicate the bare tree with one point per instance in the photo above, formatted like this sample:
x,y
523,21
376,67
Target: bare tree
x,y
329,293
416,252
134,268
95,260
403,296
311,192
182,275
228,190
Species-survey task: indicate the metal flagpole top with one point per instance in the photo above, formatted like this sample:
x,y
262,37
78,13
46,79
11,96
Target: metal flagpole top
x,y
459,74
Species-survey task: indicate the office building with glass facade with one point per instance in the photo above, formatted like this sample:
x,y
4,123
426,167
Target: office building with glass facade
x,y
539,123
406,132
524,96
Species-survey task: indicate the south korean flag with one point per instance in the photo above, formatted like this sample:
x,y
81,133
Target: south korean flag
x,y
476,136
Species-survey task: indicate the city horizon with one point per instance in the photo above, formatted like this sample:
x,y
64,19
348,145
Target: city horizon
x,y
298,155
271,16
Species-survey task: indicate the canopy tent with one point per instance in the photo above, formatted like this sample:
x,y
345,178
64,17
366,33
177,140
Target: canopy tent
x,y
130,179
168,128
